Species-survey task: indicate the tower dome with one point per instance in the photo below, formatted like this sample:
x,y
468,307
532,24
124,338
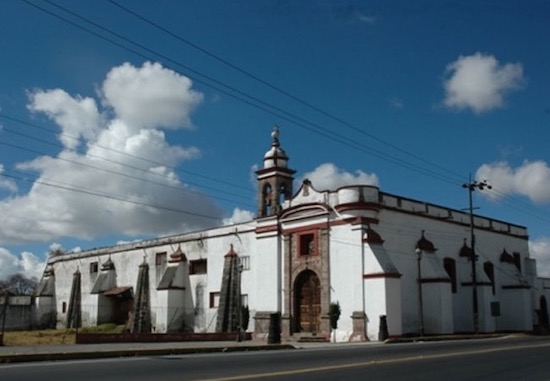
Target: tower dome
x,y
275,156
274,179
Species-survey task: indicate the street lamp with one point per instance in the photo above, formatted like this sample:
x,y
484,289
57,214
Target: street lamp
x,y
239,303
472,186
418,251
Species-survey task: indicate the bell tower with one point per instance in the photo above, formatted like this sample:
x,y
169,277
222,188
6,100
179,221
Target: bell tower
x,y
274,179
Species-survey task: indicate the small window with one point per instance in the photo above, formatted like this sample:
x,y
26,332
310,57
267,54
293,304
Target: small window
x,y
307,244
244,261
197,267
244,299
64,307
214,299
160,259
283,194
267,200
94,267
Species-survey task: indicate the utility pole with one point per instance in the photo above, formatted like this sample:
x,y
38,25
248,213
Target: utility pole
x,y
4,312
472,186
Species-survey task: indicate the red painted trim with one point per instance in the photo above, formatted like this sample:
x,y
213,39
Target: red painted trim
x,y
286,171
266,229
305,229
308,206
381,275
343,221
320,225
93,338
364,220
359,205
231,252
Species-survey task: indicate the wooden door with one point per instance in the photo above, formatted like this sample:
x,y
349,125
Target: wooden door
x,y
308,302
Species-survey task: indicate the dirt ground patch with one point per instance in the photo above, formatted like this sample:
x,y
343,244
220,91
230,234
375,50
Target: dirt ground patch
x,y
54,336
41,337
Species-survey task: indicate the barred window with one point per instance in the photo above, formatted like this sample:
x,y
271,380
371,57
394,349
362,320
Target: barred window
x,y
244,262
197,266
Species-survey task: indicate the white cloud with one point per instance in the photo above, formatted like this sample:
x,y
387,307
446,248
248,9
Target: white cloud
x,y
396,103
239,215
540,250
77,116
351,13
112,164
363,18
531,179
150,96
6,183
27,264
480,82
329,177
147,144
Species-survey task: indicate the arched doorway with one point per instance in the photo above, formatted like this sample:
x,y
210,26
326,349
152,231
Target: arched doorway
x,y
307,302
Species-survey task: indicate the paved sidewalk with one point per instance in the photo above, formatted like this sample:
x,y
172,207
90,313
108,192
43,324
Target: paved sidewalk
x,y
12,354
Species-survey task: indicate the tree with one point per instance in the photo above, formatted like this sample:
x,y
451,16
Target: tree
x,y
334,314
56,250
18,284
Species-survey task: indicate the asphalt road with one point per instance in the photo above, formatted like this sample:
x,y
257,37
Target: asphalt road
x,y
505,359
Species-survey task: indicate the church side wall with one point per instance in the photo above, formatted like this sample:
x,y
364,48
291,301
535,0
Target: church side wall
x,y
203,285
401,232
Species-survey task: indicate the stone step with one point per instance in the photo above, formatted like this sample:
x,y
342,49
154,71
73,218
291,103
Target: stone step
x,y
313,339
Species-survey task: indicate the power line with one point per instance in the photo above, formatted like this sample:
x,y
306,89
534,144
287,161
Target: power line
x,y
121,174
264,106
276,88
68,187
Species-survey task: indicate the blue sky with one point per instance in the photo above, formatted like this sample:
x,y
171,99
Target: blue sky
x,y
149,118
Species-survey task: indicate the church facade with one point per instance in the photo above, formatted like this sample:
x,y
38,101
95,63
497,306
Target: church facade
x,y
394,265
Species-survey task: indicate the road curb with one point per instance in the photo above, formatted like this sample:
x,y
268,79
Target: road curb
x,y
59,356
444,338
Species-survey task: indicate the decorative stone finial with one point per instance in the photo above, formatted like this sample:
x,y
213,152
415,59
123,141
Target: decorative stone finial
x,y
275,136
425,245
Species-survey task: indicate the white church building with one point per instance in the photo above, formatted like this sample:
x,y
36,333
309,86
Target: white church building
x,y
395,266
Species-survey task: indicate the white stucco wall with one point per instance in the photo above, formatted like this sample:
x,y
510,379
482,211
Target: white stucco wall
x,y
266,275
346,277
